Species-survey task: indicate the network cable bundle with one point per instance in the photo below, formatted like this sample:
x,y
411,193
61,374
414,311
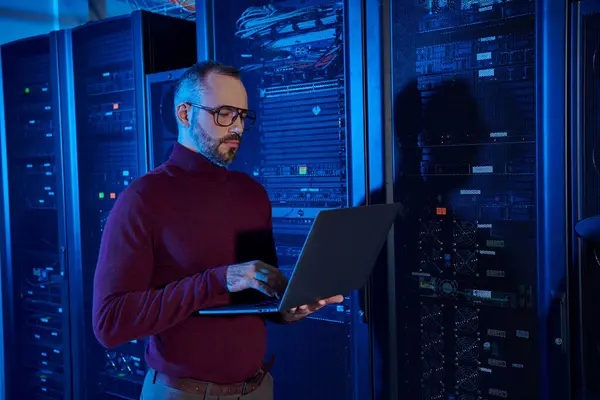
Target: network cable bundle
x,y
287,43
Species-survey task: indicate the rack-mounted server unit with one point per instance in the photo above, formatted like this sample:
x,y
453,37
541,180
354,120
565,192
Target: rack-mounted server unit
x,y
34,269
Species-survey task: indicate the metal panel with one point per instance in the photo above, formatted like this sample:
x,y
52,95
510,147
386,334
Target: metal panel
x,y
60,208
71,194
5,256
355,64
205,27
554,222
139,69
576,279
380,148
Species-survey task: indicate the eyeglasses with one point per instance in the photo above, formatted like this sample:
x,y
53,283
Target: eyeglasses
x,y
226,115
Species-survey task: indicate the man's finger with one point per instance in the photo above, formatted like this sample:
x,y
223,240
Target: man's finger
x,y
270,281
296,311
334,299
261,287
302,310
273,279
261,266
261,276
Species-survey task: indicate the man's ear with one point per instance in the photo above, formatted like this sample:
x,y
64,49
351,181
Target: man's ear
x,y
183,114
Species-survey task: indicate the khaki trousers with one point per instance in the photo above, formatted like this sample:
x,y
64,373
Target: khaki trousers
x,y
157,391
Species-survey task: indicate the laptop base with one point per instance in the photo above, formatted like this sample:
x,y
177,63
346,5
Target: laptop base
x,y
268,306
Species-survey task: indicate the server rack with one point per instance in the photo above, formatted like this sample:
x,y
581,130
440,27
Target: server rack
x,y
302,64
35,273
479,114
108,149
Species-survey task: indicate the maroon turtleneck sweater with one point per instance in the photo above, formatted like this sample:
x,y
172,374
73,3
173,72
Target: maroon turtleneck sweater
x,y
163,256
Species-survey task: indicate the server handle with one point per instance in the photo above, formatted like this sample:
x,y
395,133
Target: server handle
x,y
559,323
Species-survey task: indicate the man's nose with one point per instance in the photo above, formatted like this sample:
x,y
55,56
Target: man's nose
x,y
237,127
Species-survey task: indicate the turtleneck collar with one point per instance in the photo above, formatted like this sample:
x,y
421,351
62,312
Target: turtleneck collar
x,y
191,161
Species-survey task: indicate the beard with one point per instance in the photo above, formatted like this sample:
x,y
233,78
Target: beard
x,y
212,148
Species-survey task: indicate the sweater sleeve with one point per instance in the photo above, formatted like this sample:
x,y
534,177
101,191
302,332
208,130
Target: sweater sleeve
x,y
125,308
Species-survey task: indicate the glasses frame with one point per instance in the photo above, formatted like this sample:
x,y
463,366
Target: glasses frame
x,y
214,111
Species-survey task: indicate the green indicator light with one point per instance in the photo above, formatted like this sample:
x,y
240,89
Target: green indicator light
x,y
101,195
26,90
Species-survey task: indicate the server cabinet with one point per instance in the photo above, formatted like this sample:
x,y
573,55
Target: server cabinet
x,y
307,149
109,61
34,269
586,193
479,119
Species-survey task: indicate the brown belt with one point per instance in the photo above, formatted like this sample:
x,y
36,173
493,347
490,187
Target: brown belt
x,y
214,389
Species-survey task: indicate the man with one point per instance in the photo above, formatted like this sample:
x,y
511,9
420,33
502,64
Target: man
x,y
192,235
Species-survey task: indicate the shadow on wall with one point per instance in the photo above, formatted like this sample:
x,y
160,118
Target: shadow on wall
x,y
448,110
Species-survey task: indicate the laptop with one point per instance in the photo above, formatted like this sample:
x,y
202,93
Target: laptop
x,y
338,256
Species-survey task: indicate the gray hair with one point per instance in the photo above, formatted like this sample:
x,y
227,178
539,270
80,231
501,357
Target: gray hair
x,y
191,85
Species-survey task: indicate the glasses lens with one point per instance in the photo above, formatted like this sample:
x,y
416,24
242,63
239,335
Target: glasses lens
x,y
226,115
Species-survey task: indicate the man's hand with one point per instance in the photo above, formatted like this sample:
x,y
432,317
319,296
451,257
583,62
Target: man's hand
x,y
255,275
297,313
